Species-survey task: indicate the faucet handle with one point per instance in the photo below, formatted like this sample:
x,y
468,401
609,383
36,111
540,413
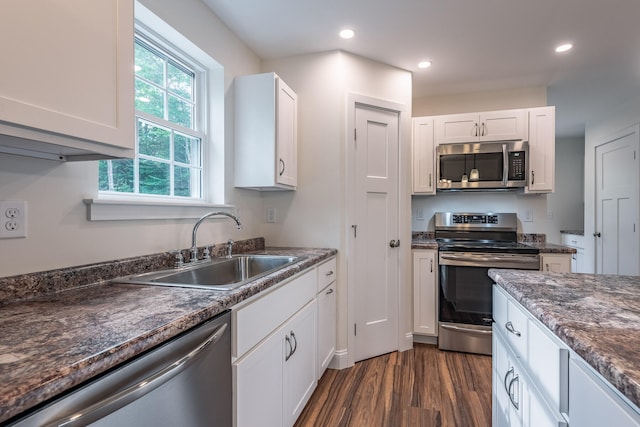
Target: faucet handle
x,y
179,259
206,254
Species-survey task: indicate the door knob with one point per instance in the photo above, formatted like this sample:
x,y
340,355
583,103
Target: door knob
x,y
394,243
597,234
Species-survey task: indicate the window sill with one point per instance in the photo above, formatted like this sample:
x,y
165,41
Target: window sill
x,y
128,210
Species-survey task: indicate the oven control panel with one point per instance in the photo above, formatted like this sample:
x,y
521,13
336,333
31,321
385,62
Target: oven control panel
x,y
474,219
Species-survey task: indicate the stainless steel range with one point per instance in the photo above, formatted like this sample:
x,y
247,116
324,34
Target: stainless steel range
x,y
469,245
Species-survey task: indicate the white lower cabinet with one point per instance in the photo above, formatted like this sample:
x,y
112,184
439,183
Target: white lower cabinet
x,y
425,292
556,263
277,340
538,381
593,403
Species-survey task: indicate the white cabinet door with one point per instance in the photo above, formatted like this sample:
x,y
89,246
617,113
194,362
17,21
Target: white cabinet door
x,y
423,156
593,403
488,126
507,385
258,380
299,373
542,150
557,263
425,292
68,79
457,128
265,133
326,327
286,135
503,125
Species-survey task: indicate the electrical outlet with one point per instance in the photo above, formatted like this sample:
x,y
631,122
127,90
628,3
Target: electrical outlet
x,y
13,219
271,214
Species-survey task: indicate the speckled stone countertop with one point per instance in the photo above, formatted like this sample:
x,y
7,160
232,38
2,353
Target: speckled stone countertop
x,y
427,240
597,316
55,341
576,232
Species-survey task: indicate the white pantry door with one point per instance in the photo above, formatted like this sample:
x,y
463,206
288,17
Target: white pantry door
x,y
617,244
376,214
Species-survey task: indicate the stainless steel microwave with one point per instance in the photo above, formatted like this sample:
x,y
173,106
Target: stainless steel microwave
x,y
482,165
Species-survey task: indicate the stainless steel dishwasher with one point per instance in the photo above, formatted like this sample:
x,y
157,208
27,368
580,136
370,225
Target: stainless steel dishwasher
x,y
184,382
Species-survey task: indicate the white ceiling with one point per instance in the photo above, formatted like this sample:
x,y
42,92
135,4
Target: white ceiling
x,y
474,45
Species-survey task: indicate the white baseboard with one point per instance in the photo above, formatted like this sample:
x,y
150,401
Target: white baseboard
x,y
340,360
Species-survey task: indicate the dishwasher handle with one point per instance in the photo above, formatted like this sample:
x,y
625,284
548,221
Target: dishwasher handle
x,y
124,397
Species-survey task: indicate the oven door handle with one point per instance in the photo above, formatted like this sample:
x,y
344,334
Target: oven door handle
x,y
483,258
459,329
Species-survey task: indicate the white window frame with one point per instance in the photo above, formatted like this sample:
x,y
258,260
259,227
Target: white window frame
x,y
128,206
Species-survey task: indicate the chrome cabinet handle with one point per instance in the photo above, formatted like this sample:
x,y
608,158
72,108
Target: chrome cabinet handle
x,y
329,273
430,180
504,382
290,352
515,380
282,163
431,266
394,243
124,397
295,342
330,291
533,177
476,129
483,129
511,329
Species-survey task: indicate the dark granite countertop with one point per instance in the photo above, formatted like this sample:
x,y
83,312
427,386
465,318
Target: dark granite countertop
x,y
597,316
53,342
551,248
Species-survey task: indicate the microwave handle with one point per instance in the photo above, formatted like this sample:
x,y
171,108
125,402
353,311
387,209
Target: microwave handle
x,y
505,165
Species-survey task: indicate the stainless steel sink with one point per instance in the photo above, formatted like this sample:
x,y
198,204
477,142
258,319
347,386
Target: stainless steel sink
x,y
222,274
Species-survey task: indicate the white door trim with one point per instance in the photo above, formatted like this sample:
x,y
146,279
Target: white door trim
x,y
405,310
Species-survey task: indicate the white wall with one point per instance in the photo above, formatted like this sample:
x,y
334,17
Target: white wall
x,y
527,97
59,234
566,204
315,215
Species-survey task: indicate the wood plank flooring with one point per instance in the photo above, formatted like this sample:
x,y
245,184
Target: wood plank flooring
x,y
421,387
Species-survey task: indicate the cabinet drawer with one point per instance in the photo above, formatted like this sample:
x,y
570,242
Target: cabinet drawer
x,y
573,240
511,320
326,274
548,366
258,319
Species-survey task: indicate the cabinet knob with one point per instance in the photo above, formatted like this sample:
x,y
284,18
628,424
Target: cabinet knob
x,y
597,234
394,243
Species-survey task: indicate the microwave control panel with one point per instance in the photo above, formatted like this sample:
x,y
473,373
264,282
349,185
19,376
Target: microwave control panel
x,y
517,166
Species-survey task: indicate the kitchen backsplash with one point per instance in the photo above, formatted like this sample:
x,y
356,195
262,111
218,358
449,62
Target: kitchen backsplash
x,y
27,286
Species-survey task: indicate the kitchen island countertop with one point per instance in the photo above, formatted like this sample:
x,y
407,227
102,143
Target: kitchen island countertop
x,y
597,316
54,342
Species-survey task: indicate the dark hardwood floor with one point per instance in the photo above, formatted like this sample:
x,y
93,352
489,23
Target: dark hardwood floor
x,y
420,387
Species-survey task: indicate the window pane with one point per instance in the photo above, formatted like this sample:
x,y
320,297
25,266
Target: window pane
x,y
180,112
149,99
115,175
179,81
153,140
186,149
182,178
154,177
149,65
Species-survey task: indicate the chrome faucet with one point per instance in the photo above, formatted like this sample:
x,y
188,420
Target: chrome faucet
x,y
194,248
229,248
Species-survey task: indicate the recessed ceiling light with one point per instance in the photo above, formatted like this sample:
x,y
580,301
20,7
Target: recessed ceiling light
x,y
347,33
424,64
564,47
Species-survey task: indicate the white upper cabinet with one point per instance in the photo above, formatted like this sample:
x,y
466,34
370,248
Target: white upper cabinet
x,y
542,149
66,85
489,126
423,156
265,133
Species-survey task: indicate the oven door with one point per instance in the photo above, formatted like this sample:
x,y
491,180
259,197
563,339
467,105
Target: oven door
x,y
465,297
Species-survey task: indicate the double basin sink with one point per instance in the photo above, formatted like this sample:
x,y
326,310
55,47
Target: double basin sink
x,y
220,274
